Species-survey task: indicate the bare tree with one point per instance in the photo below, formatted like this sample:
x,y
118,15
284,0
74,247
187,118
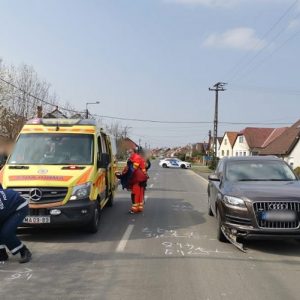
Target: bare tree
x,y
21,91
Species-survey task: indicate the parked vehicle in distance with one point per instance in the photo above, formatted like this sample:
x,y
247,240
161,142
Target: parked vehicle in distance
x,y
174,163
65,168
255,197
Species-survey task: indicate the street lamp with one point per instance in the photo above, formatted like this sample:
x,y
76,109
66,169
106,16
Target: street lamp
x,y
86,106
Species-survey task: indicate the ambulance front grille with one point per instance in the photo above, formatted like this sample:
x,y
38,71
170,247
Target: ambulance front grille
x,y
42,195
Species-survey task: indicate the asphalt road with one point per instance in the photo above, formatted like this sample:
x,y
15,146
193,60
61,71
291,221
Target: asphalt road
x,y
168,252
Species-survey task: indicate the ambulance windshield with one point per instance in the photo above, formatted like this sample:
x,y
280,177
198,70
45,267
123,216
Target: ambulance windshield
x,y
53,149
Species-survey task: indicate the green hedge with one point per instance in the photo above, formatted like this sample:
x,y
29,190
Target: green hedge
x,y
212,165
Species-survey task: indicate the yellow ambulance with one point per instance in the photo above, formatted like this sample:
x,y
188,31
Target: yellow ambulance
x,y
65,168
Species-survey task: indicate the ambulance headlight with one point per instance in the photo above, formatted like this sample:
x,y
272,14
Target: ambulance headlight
x,y
81,191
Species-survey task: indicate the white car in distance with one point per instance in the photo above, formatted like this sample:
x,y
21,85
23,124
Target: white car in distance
x,y
174,163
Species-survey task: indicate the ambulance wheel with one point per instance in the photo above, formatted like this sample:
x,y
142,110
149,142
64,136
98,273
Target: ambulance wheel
x,y
164,165
110,201
93,225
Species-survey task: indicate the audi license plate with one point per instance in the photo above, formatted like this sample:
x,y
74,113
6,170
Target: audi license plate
x,y
37,220
279,216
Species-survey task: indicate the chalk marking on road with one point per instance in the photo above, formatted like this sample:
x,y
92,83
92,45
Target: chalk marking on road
x,y
24,274
28,278
151,186
189,249
125,238
26,270
146,198
157,174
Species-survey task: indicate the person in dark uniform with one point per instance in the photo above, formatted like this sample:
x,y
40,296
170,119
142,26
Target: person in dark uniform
x,y
13,210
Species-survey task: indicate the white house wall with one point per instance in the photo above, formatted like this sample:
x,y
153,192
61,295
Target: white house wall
x,y
225,148
241,149
213,147
294,158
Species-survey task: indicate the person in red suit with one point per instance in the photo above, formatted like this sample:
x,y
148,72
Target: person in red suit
x,y
137,180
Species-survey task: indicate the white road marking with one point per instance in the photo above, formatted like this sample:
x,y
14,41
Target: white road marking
x,y
205,180
151,186
146,198
125,238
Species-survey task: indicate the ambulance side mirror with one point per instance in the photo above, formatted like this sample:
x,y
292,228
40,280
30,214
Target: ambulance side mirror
x,y
103,161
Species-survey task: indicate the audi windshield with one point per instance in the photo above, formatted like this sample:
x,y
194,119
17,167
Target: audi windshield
x,y
259,171
53,149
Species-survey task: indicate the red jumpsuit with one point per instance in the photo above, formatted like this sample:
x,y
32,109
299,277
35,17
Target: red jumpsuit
x,y
137,183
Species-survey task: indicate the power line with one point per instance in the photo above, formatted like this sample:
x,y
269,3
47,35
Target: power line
x,y
37,98
261,62
149,120
235,70
186,122
135,119
265,89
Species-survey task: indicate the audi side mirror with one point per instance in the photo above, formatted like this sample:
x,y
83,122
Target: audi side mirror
x,y
213,177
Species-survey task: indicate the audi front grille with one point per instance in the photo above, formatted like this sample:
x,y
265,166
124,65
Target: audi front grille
x,y
280,206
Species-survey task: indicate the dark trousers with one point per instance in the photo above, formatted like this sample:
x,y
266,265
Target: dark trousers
x,y
8,229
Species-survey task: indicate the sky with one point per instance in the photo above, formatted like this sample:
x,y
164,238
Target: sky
x,y
156,59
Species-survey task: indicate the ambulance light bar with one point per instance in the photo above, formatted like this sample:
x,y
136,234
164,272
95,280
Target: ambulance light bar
x,y
61,122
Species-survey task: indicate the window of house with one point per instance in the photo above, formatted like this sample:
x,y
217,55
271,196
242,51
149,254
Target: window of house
x,y
225,142
222,152
236,153
241,153
227,153
245,153
241,139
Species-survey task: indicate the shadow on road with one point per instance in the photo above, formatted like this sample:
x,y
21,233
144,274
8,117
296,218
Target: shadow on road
x,y
277,247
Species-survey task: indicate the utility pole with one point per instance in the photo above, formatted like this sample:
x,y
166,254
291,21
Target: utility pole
x,y
218,87
86,108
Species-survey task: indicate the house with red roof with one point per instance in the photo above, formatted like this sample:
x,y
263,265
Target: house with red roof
x,y
226,147
252,140
286,145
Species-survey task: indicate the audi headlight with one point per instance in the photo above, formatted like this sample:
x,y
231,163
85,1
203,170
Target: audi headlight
x,y
234,202
81,191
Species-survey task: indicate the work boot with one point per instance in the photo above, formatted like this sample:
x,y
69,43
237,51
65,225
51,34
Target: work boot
x,y
132,199
3,255
25,255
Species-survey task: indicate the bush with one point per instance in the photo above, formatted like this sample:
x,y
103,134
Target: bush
x,y
297,171
212,164
181,156
188,159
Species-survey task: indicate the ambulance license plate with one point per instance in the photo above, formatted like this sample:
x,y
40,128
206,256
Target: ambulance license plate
x,y
37,220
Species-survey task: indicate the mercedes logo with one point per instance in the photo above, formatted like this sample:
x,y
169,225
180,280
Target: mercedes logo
x,y
35,195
